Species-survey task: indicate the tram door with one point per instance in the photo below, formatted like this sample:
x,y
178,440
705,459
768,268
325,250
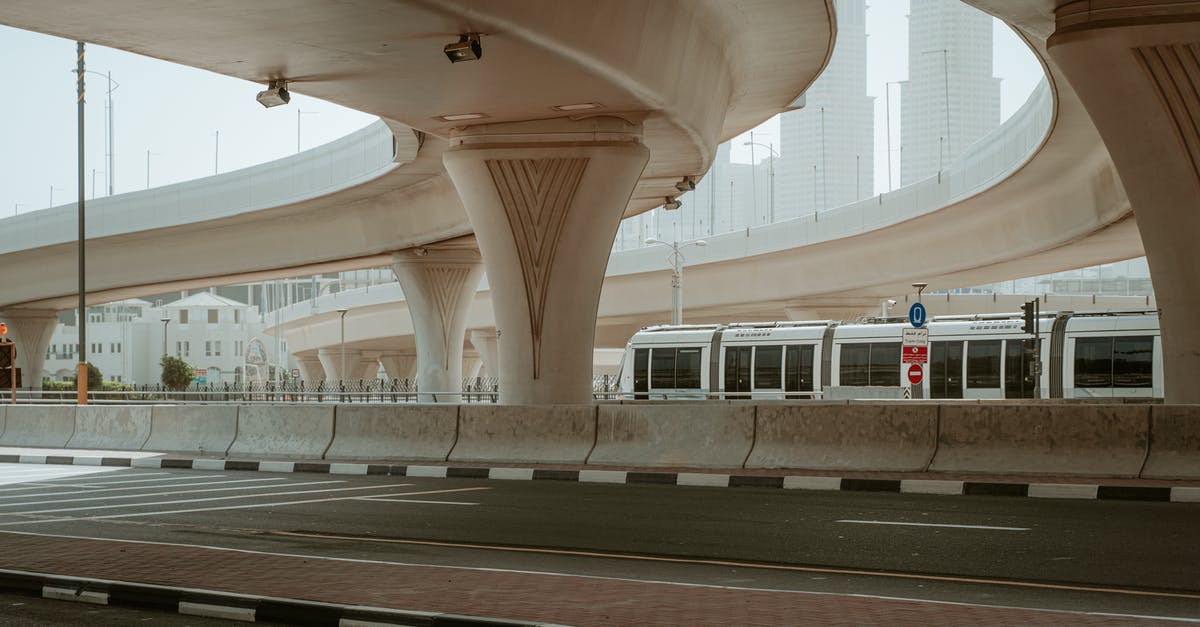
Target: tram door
x,y
945,369
641,373
1020,381
737,371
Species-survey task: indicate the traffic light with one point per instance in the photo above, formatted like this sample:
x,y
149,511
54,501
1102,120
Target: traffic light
x,y
6,378
1029,310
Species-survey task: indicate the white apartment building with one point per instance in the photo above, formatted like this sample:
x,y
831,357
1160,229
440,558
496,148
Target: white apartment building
x,y
127,339
949,64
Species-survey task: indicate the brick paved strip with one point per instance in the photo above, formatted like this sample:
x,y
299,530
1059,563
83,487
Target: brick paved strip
x,y
513,596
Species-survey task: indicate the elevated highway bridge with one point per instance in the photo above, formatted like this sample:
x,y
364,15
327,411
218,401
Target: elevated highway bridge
x,y
541,183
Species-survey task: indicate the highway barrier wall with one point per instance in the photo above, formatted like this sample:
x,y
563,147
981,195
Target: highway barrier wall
x,y
703,435
841,436
1043,439
393,432
111,427
540,434
1174,442
38,426
288,431
1039,438
194,429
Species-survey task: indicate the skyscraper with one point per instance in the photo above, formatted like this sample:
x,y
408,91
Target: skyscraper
x,y
949,63
827,148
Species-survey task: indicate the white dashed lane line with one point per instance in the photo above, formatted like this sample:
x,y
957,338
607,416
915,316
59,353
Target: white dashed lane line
x,y
942,525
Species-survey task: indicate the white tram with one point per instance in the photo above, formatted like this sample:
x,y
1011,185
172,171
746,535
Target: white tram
x,y
1081,354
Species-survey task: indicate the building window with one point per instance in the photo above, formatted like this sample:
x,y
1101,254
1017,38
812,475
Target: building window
x,y
208,349
217,348
237,316
183,316
212,316
183,349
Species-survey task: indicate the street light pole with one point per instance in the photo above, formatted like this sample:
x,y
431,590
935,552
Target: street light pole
x,y
676,260
887,87
770,172
81,376
342,313
52,188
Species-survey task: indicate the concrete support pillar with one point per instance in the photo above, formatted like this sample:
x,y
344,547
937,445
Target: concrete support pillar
x,y
545,199
331,361
484,342
399,365
311,371
1136,68
368,366
439,285
31,330
472,364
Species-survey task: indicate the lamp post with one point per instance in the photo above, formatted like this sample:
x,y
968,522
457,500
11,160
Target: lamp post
x,y
676,260
342,312
888,103
52,188
770,172
17,206
109,138
946,93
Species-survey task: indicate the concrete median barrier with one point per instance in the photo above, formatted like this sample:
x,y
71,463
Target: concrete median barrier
x,y
855,436
111,427
38,426
1043,439
546,434
194,429
712,435
1174,442
398,432
283,431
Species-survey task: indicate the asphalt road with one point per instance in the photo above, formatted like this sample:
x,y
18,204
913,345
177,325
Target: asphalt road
x,y
1109,556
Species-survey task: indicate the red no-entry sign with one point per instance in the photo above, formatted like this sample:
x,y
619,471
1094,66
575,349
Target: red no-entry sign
x,y
915,374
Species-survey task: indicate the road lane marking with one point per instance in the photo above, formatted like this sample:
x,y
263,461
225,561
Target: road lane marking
x,y
942,525
215,498
251,506
388,500
188,490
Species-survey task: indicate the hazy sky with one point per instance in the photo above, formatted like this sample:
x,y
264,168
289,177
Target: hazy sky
x,y
175,112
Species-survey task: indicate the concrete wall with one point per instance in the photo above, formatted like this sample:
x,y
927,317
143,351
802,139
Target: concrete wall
x,y
291,431
702,435
39,426
1174,442
195,429
111,427
1042,438
394,432
857,436
546,434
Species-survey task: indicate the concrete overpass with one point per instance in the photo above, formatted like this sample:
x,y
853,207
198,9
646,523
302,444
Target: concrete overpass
x,y
543,188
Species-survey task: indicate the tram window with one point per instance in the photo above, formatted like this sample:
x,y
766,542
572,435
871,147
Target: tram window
x,y
855,368
1133,364
1019,382
1093,362
662,368
983,364
885,364
687,368
767,360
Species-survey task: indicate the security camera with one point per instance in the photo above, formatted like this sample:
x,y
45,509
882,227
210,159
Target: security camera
x,y
274,95
467,48
891,303
686,184
670,204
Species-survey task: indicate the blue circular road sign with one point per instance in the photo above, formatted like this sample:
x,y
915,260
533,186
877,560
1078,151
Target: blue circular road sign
x,y
917,315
